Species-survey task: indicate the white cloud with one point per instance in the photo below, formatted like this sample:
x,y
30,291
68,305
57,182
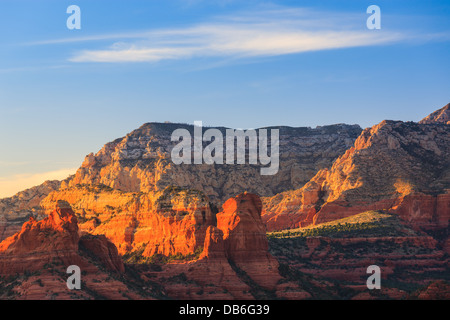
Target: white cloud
x,y
267,33
9,186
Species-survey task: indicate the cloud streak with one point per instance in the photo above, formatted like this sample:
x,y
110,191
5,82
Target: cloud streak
x,y
9,186
263,34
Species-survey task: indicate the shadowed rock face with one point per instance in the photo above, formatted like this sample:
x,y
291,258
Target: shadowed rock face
x,y
104,250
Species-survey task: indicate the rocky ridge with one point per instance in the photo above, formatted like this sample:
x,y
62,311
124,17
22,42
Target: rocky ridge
x,y
402,167
16,210
439,116
140,162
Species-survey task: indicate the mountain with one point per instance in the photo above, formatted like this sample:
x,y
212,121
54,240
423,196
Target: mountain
x,y
141,162
399,166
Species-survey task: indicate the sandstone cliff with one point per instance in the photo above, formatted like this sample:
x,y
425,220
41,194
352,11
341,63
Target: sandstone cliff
x,y
404,167
170,222
439,116
341,251
235,262
140,162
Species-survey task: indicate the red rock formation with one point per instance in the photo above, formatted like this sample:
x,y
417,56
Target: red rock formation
x,y
401,167
245,240
41,242
52,240
44,249
440,116
235,260
170,222
437,290
213,248
105,251
212,269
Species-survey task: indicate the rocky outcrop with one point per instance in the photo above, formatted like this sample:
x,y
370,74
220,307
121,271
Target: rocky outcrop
x,y
439,116
234,264
33,262
54,239
437,290
104,250
170,222
402,167
14,211
245,241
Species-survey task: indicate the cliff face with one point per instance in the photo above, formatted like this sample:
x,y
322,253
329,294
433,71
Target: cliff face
x,y
343,249
170,222
33,262
40,242
14,211
55,239
234,263
140,162
244,237
130,203
404,167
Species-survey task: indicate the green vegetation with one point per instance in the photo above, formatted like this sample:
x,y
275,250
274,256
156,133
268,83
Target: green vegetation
x,y
136,257
367,224
171,192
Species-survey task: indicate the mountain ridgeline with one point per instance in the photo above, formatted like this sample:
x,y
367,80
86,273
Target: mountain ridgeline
x,y
343,198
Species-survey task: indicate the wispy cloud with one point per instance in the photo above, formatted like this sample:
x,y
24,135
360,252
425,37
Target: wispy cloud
x,y
9,186
266,33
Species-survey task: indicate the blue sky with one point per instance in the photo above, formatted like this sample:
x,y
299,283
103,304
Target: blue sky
x,y
244,64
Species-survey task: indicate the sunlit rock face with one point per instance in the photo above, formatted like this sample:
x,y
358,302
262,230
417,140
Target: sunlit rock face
x,y
141,162
399,166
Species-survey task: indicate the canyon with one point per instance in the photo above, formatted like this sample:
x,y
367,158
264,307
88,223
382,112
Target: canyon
x,y
141,227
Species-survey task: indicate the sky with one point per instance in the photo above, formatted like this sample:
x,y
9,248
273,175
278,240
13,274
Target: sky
x,y
237,63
